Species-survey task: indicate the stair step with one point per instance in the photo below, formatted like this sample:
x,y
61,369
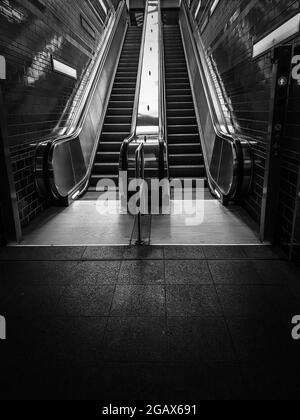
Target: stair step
x,y
114,136
183,159
184,148
178,92
121,104
180,105
96,178
108,157
179,98
119,127
118,119
123,97
183,129
106,168
187,171
181,112
183,138
180,120
110,147
120,111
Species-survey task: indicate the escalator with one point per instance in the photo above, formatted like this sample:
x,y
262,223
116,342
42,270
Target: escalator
x,y
185,153
117,123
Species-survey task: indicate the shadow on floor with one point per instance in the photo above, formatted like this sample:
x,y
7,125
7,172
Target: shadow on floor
x,y
155,323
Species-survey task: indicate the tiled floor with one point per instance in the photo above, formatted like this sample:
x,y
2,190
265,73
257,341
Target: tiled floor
x,y
183,323
82,223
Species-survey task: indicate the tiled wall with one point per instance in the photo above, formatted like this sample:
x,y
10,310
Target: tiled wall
x,y
228,35
39,101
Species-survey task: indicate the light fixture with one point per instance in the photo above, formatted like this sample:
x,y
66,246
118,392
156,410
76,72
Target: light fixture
x,y
285,31
2,68
198,9
62,68
214,6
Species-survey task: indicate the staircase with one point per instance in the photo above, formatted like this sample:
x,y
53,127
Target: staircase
x,y
185,153
117,123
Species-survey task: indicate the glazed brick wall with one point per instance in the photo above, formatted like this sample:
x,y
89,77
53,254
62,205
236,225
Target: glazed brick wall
x,y
229,37
39,101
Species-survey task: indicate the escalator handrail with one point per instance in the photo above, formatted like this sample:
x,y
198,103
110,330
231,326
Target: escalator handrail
x,y
45,149
221,129
123,162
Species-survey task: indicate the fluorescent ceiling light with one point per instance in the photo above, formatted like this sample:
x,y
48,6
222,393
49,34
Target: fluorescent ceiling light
x,y
285,31
198,9
103,6
214,6
64,69
2,68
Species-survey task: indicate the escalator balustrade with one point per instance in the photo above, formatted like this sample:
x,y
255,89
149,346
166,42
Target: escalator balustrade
x,y
117,124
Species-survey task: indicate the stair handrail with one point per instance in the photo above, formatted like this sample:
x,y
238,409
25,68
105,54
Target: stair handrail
x,y
123,160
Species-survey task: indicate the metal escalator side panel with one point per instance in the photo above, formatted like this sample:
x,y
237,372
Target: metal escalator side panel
x,y
77,150
228,167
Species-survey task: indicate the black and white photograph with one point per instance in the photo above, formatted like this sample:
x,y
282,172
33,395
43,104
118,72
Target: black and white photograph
x,y
149,203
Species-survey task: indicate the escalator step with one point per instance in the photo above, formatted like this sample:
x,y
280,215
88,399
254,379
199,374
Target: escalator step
x,y
183,138
180,105
187,171
106,168
96,178
181,159
118,119
185,148
109,147
181,112
109,157
112,112
183,129
119,104
180,120
121,128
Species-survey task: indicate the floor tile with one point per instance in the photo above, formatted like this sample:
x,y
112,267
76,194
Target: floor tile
x,y
42,253
284,301
199,339
95,273
144,253
192,301
194,382
263,252
138,300
104,253
184,252
224,252
234,272
123,382
74,342
187,272
41,272
33,301
244,301
258,339
272,381
135,339
277,272
142,272
86,300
